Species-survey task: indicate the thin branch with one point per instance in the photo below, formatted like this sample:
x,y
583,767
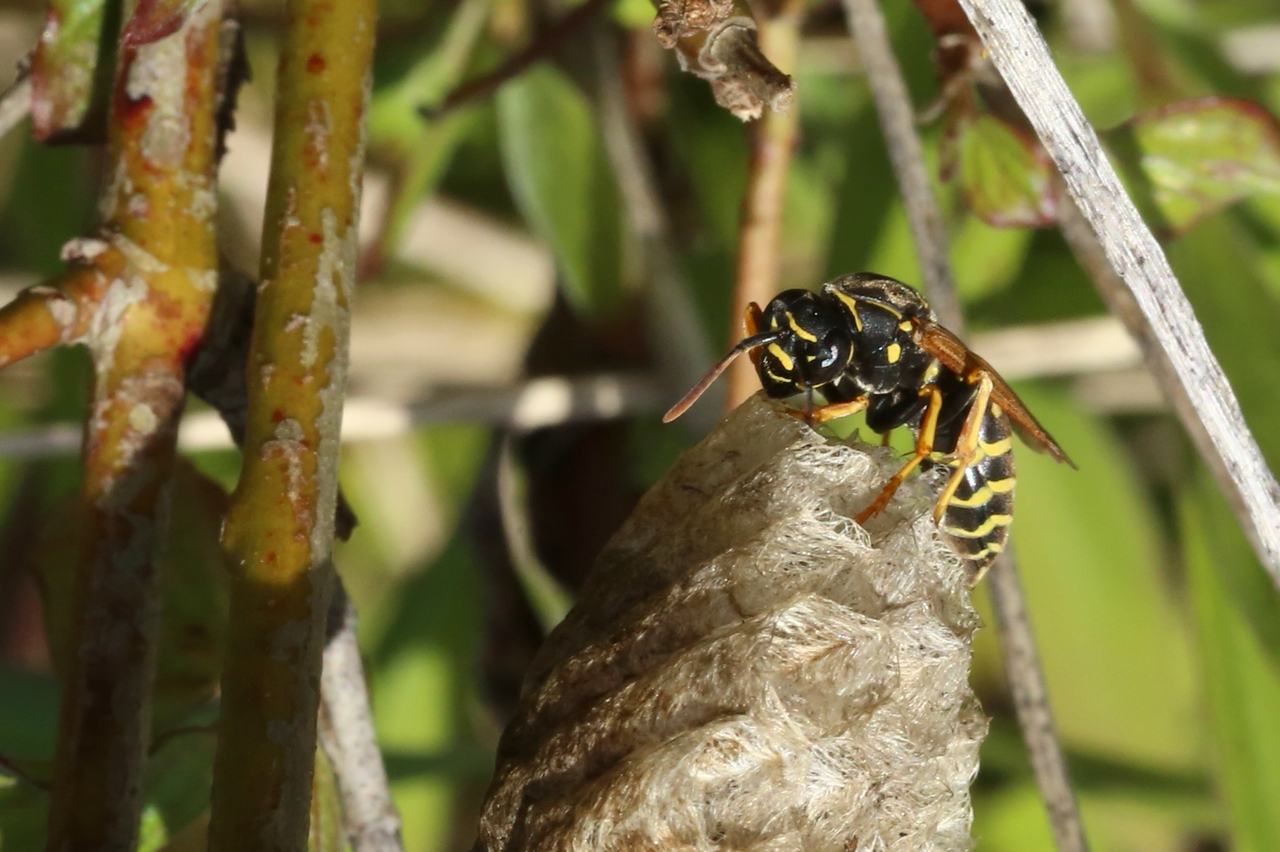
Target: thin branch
x,y
1090,254
1031,702
56,313
773,141
546,43
681,345
15,105
534,404
158,269
898,120
1166,317
280,526
1095,347
1022,663
347,734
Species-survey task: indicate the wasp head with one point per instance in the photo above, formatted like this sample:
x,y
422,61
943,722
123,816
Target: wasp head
x,y
802,344
812,348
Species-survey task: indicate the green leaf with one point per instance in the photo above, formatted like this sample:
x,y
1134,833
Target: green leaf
x,y
425,688
325,831
1235,605
64,67
23,814
28,714
179,776
1196,157
397,128
197,599
1005,174
987,260
556,169
1219,266
194,586
1241,656
1116,653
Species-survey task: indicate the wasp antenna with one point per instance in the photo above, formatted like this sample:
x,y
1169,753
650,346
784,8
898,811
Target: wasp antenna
x,y
714,373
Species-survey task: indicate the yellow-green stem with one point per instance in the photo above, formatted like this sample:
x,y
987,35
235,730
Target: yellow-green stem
x,y
154,271
279,530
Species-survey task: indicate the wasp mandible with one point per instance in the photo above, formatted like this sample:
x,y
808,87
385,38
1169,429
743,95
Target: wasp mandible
x,y
869,343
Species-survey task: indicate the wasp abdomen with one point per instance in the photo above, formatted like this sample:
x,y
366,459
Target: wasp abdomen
x,y
977,516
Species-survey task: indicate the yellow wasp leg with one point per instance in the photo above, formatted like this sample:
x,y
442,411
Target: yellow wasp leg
x,y
831,411
924,447
966,445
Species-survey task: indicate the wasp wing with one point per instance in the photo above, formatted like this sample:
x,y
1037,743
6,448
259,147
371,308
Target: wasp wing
x,y
961,360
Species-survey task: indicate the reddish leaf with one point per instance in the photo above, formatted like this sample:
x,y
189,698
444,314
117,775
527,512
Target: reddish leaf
x,y
1005,174
152,20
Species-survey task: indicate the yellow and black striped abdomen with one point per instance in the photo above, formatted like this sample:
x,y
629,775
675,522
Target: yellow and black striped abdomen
x,y
977,517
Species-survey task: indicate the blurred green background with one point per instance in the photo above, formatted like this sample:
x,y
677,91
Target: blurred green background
x,y
495,249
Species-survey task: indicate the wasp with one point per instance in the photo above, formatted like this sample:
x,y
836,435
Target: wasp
x,y
870,343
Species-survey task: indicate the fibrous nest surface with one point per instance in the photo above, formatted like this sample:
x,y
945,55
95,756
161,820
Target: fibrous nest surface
x,y
749,669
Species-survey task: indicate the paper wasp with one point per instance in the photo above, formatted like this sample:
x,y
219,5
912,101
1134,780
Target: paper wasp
x,y
870,343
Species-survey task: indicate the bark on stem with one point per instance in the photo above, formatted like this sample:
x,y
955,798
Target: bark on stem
x,y
279,529
1018,51
773,141
156,268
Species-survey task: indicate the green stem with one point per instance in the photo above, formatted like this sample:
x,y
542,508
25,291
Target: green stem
x,y
279,530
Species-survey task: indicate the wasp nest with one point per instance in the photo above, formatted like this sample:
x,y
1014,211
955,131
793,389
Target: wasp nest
x,y
748,669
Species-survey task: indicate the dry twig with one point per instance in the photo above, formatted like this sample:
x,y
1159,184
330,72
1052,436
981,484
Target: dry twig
x,y
898,120
1168,322
279,529
1022,663
369,816
1031,702
773,140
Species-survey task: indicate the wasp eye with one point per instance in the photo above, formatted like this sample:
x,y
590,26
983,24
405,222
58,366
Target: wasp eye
x,y
831,356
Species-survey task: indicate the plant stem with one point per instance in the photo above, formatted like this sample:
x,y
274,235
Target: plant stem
x,y
1022,663
369,815
1031,703
157,269
897,118
773,140
1018,51
279,529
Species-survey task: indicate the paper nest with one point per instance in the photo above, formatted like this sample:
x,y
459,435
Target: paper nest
x,y
749,669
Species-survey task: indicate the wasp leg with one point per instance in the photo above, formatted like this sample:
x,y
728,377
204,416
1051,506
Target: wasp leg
x,y
830,411
884,439
924,447
966,444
